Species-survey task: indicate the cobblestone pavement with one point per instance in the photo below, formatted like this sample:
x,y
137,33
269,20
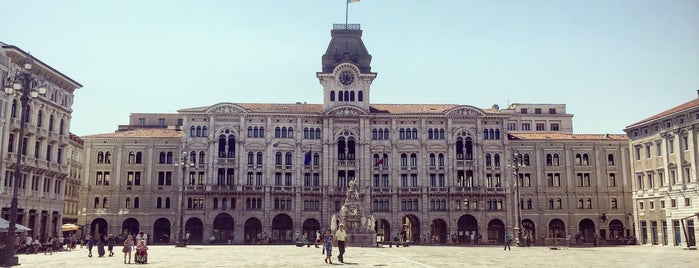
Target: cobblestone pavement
x,y
414,256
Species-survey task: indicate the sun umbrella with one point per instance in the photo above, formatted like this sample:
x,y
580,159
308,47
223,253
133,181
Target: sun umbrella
x,y
4,224
69,227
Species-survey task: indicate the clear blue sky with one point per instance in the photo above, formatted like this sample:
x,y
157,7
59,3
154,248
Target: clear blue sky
x,y
612,62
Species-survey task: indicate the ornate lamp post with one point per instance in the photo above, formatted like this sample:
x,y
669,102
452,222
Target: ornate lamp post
x,y
183,163
27,85
516,164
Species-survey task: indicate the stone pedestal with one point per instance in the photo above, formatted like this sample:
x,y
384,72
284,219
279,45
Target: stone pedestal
x,y
361,240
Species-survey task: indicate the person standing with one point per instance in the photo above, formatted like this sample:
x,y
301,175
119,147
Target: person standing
x,y
90,244
186,238
100,246
340,237
128,246
317,237
110,245
328,246
508,241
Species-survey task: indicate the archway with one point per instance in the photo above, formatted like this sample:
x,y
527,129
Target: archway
x,y
586,230
383,230
282,229
496,231
466,226
310,226
253,228
557,229
161,231
529,230
195,228
438,229
616,230
223,229
410,231
130,226
98,226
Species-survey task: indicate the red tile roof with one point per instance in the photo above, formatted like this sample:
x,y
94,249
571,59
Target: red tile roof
x,y
140,133
687,105
318,108
565,136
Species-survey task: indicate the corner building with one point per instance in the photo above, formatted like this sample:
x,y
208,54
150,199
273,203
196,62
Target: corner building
x,y
423,170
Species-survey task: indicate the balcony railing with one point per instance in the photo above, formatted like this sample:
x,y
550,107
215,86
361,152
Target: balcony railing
x,y
341,26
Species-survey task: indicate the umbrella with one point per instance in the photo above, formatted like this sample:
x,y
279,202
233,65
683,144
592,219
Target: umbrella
x,y
69,227
4,224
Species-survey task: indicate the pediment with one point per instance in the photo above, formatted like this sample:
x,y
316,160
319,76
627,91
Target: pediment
x,y
465,111
225,108
346,111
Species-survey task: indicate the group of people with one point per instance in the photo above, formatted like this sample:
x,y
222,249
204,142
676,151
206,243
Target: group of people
x,y
139,245
329,240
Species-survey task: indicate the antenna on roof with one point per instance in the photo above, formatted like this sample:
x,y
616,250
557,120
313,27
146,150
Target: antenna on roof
x,y
347,11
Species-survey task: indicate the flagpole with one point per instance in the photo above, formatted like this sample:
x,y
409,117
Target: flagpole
x,y
346,12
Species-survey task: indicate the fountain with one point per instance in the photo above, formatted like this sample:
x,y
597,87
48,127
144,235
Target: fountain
x,y
359,227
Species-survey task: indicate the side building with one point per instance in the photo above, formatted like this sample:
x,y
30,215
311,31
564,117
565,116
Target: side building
x,y
665,152
423,171
44,162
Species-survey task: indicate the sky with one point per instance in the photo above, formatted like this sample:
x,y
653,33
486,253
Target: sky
x,y
613,63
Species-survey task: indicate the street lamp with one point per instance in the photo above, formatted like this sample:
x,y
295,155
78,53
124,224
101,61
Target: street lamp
x,y
183,163
516,164
27,85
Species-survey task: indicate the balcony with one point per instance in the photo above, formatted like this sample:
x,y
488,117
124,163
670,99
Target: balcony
x,y
410,190
249,188
381,190
278,189
311,189
346,163
225,161
438,189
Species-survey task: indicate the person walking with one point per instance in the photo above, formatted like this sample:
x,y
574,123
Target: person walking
x,y
100,246
328,246
508,241
317,237
90,244
128,246
110,244
49,246
340,237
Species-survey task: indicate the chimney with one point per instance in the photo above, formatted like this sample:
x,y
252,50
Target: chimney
x,y
697,93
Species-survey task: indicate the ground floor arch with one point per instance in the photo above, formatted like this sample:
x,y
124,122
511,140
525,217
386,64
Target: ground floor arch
x,y
282,229
223,228
161,231
586,231
528,231
309,228
557,229
252,229
98,226
130,226
439,231
195,228
383,230
467,229
496,231
616,230
410,228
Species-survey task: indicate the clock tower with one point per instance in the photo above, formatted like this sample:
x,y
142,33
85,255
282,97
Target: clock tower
x,y
346,75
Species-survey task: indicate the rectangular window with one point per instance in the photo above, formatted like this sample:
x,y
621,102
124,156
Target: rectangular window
x,y
540,127
640,205
647,151
511,126
142,121
552,110
161,121
555,127
537,110
526,126
523,111
673,203
687,202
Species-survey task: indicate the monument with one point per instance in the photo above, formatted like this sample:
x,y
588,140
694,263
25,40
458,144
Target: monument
x,y
358,225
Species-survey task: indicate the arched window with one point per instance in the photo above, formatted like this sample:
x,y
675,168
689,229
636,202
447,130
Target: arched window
x,y
204,131
525,160
485,134
402,134
433,160
192,131
549,160
61,127
291,132
610,159
469,148
215,202
251,158
167,202
222,146
340,97
250,132
108,158
161,158
259,158
202,155
284,132
132,158
496,159
341,148
13,113
168,159
159,202
403,160
585,160
497,134
415,133
350,148
360,96
487,160
198,131
351,95
332,95
97,202
556,161
277,132
346,93
287,158
50,122
305,133
413,160
139,158
491,133
440,160
105,203
615,205
40,119
100,157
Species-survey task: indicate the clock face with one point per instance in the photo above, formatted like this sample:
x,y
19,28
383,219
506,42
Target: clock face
x,y
346,78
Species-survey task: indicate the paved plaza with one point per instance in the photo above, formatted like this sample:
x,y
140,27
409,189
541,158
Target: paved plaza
x,y
414,256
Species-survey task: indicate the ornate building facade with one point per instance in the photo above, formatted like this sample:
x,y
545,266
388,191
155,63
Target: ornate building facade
x,y
422,170
44,172
665,188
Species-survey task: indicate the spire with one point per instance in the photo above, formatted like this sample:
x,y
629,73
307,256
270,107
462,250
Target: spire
x,y
346,46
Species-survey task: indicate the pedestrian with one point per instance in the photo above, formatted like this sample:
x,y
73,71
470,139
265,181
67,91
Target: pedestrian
x,y
110,244
186,238
328,246
100,246
49,246
508,241
473,237
90,244
128,246
340,237
141,236
317,237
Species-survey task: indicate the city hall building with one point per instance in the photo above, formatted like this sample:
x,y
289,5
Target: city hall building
x,y
243,171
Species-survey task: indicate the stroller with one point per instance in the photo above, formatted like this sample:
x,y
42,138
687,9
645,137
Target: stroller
x,y
142,253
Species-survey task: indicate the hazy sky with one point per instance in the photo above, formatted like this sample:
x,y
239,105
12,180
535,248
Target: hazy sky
x,y
612,63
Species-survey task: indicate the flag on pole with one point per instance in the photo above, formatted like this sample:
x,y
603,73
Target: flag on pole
x,y
380,162
307,158
352,1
